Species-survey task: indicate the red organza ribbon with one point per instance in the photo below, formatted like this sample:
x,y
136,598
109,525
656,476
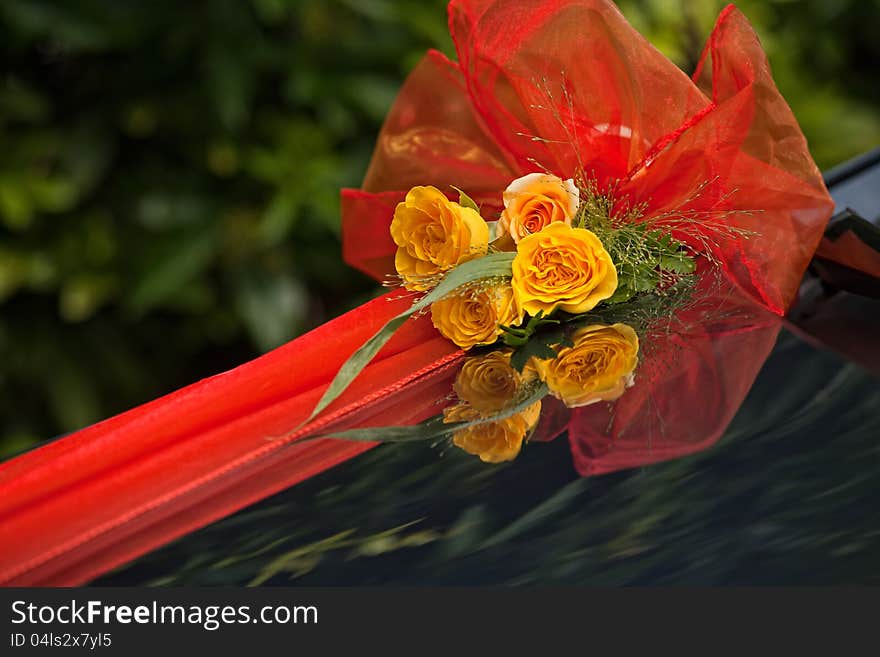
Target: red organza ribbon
x,y
544,83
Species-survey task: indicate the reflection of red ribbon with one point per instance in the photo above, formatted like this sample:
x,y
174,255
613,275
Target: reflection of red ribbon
x,y
102,496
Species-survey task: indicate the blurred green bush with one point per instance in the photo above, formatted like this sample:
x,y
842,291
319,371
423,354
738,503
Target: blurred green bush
x,y
170,172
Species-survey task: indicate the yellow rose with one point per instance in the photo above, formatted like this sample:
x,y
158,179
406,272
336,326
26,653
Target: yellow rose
x,y
474,314
433,235
562,268
493,442
536,200
599,367
488,383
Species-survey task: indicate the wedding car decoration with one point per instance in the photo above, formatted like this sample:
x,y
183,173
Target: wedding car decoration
x,y
581,240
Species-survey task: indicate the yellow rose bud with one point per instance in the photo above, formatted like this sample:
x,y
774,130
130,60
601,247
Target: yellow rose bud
x,y
533,202
493,442
488,383
599,367
433,235
474,315
562,268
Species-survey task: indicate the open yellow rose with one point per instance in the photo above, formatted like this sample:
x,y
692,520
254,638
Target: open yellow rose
x,y
493,442
536,200
433,235
474,315
599,367
562,268
488,383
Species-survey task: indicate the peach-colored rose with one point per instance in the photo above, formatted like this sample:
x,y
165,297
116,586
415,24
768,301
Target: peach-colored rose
x,y
533,202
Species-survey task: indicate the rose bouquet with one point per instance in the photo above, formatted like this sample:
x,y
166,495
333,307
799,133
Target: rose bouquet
x,y
541,289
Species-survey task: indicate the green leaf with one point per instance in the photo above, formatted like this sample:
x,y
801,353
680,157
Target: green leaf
x,y
557,337
679,263
645,280
433,427
540,350
466,201
519,358
513,337
489,266
519,336
427,430
539,346
621,294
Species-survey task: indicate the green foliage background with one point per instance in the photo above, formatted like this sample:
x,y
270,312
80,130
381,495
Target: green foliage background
x,y
169,172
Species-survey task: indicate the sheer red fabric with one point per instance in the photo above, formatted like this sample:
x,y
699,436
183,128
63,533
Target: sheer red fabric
x,y
540,84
